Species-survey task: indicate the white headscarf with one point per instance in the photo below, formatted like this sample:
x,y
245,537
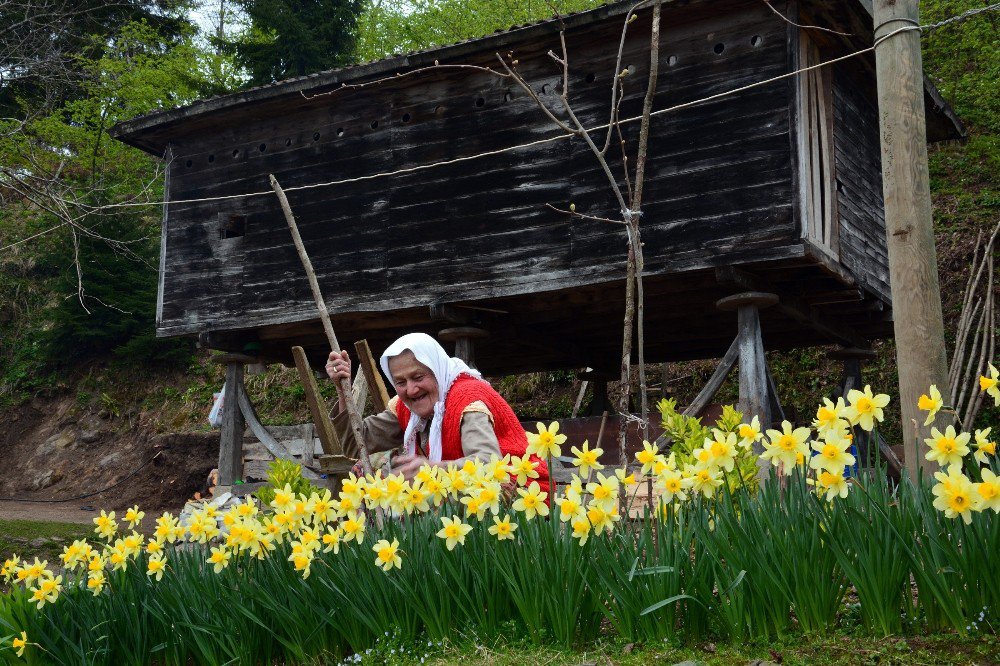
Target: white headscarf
x,y
445,368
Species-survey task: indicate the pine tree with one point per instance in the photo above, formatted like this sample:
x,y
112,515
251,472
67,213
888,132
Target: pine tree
x,y
290,38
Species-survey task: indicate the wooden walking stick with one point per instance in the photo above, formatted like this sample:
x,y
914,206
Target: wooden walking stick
x,y
344,384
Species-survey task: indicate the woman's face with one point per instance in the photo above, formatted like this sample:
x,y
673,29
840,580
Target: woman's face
x,y
415,383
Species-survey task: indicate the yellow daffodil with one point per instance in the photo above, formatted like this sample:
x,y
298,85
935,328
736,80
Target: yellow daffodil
x,y
283,498
625,478
865,408
96,582
955,494
581,529
473,507
749,433
302,561
503,529
989,491
949,448
20,643
29,573
546,442
332,539
156,565
570,506
587,459
524,469
984,446
601,518
354,528
10,565
386,555
831,484
832,455
647,457
991,384
454,531
706,480
106,527
220,558
604,491
830,416
47,591
672,485
532,501
786,447
930,404
134,516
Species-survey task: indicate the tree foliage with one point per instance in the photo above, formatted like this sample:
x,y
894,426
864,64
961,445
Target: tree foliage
x,y
288,38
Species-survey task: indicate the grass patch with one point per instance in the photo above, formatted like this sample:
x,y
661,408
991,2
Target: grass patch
x,y
33,538
820,650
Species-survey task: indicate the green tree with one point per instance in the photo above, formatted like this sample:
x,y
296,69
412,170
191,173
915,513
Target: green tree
x,y
289,38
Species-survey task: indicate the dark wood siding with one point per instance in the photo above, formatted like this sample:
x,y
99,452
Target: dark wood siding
x,y
719,185
859,182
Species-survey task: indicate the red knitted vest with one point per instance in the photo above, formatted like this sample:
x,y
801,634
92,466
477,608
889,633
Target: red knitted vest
x,y
464,391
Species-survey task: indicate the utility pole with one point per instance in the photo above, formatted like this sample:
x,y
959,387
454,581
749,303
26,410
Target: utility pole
x,y
916,294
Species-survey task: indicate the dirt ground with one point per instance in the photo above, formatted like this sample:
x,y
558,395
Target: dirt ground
x,y
54,451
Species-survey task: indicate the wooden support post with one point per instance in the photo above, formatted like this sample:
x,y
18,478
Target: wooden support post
x,y
380,395
916,293
317,406
231,441
463,337
753,365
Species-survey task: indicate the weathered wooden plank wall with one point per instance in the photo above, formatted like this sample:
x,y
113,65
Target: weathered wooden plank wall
x,y
719,185
859,181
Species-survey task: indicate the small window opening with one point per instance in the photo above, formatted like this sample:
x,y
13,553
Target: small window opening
x,y
480,102
407,117
340,131
288,142
508,96
672,60
756,40
211,158
262,147
235,226
315,136
590,78
374,124
719,48
236,153
188,164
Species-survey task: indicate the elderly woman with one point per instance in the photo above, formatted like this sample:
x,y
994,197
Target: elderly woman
x,y
444,413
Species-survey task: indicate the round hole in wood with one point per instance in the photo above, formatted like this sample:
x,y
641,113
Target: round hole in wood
x,y
672,60
756,40
545,89
236,153
340,131
439,111
407,117
288,142
211,158
374,124
315,136
262,147
188,164
719,48
508,96
480,102
590,78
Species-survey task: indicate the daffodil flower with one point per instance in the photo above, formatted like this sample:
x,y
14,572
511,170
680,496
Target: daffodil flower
x,y
749,433
134,516
546,442
865,408
830,416
984,446
930,404
454,531
955,494
532,501
586,459
991,384
672,484
220,558
989,491
156,565
832,455
503,529
949,448
570,506
20,643
786,446
386,555
647,457
831,484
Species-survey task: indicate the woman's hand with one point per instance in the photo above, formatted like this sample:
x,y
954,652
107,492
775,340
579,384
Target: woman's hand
x,y
338,366
408,465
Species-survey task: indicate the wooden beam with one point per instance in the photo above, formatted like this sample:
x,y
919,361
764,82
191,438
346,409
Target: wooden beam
x,y
317,406
380,395
231,440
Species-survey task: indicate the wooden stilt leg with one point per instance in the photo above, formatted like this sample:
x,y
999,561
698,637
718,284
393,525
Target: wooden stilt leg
x,y
463,337
231,441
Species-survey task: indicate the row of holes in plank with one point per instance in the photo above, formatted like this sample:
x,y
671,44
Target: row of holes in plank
x,y
480,102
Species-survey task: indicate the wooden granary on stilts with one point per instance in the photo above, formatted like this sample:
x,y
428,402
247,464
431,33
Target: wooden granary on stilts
x,y
767,197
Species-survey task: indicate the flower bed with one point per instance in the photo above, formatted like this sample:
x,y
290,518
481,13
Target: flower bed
x,y
480,550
